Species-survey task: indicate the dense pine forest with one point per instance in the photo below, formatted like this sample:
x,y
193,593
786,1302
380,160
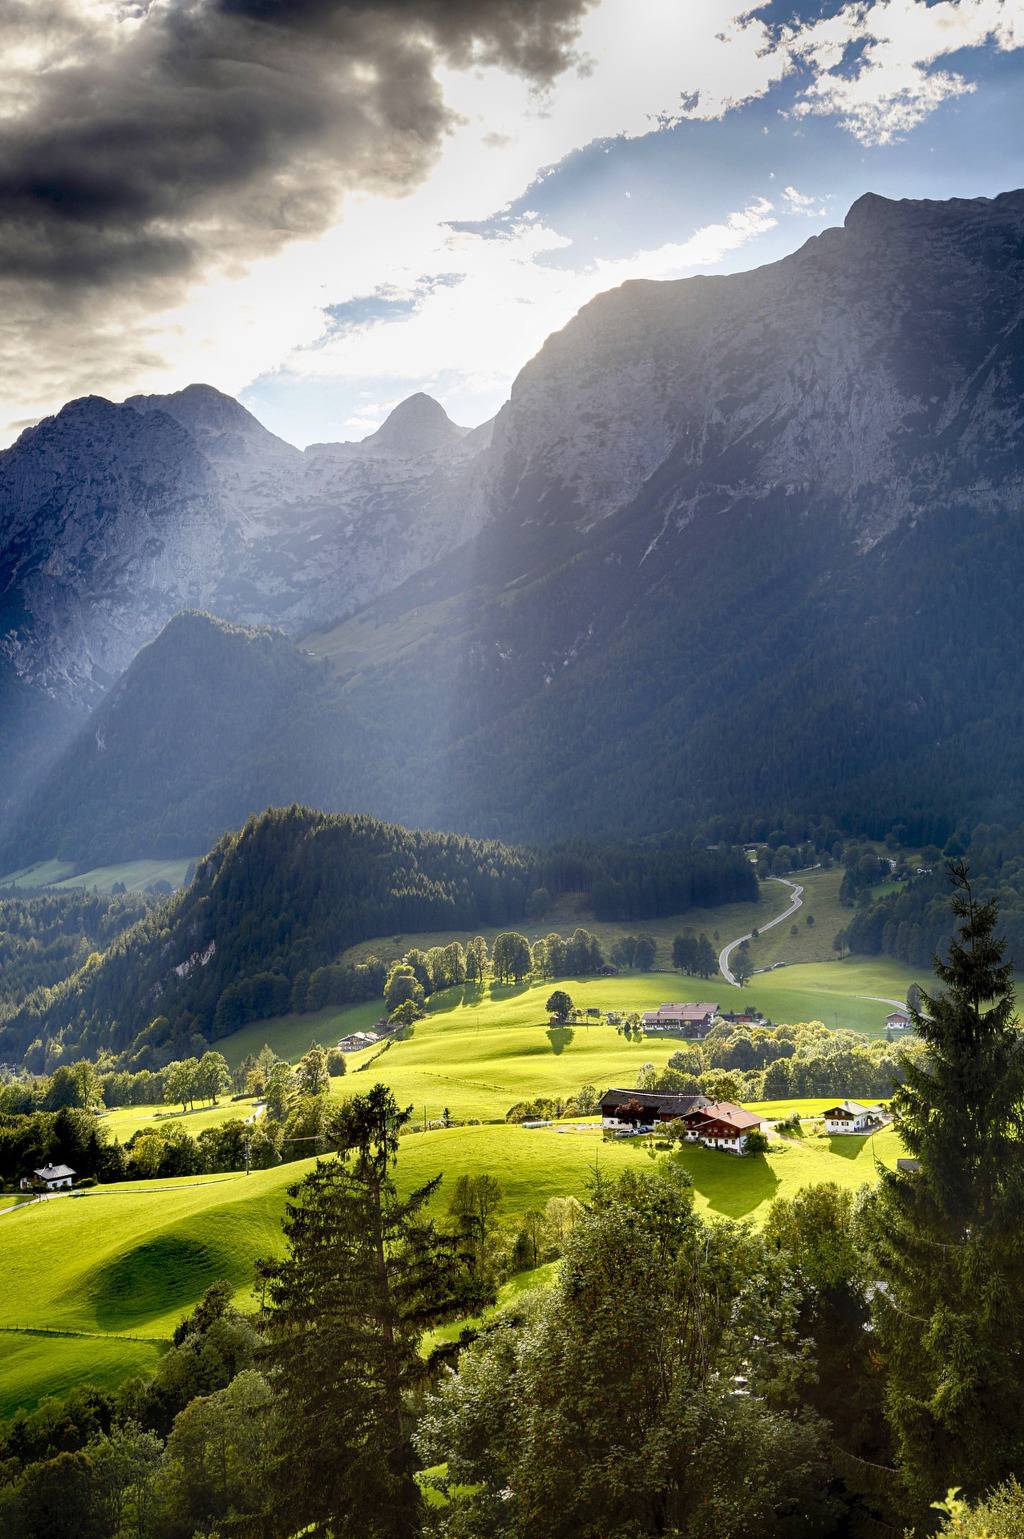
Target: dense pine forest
x,y
48,936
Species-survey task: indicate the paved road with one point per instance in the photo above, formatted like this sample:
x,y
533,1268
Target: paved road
x,y
727,951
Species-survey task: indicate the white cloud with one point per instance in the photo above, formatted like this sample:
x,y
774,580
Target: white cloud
x,y
507,302
804,203
894,84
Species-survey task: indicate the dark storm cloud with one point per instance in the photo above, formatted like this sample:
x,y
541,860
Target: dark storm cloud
x,y
159,137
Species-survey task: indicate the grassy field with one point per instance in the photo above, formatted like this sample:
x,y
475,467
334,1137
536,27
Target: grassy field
x,y
123,1121
447,1063
39,1365
61,874
811,943
135,874
130,1259
41,874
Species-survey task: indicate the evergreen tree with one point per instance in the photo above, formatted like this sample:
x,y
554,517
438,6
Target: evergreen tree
x,y
366,1273
948,1236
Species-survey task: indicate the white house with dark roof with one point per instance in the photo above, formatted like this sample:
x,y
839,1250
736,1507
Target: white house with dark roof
x,y
850,1117
716,1124
51,1178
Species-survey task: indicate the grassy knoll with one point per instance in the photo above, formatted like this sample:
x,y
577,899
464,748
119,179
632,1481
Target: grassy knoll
x,y
479,1050
123,1121
811,943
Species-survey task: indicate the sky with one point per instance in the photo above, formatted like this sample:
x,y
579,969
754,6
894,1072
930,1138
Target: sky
x,y
322,206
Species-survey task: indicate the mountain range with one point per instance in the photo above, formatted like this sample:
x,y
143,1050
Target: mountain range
x,y
746,545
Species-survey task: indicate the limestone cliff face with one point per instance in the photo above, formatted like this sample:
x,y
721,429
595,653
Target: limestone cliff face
x,y
879,366
749,498
115,517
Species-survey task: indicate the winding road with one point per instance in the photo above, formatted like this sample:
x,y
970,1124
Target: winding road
x,y
727,951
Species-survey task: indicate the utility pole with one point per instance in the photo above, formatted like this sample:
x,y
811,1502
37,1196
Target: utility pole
x,y
247,1154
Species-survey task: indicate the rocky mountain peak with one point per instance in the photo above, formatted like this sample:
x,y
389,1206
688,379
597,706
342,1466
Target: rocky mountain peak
x,y
418,425
220,425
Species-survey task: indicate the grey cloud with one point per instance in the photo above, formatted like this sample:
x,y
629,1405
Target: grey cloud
x,y
177,133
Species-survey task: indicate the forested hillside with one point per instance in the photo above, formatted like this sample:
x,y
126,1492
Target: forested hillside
x,y
46,937
908,924
290,891
210,723
296,887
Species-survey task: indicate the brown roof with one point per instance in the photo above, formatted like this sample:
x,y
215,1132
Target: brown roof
x,y
725,1111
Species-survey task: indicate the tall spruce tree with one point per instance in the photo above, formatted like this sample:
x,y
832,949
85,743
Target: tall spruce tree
x,y
366,1273
949,1235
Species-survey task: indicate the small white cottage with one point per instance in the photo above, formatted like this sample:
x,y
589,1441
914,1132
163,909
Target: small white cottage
x,y
51,1178
850,1117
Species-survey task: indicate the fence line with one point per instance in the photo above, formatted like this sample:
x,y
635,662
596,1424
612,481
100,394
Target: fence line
x,y
45,1330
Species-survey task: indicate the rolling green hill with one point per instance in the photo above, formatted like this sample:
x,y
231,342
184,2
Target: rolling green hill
x,y
128,1260
513,1023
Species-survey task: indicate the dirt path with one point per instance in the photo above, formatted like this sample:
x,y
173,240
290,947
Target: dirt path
x,y
727,951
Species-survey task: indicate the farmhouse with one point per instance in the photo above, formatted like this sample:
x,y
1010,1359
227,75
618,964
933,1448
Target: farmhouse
x,y
357,1039
693,1020
850,1117
721,1125
718,1124
899,1020
50,1178
649,1107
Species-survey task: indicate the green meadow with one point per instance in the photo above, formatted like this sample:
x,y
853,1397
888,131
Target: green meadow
x,y
127,1261
62,875
480,1049
123,1121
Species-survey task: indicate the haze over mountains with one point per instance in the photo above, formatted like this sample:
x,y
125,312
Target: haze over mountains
x,y
712,558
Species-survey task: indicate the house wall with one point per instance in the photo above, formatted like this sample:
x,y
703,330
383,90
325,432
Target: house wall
x,y
845,1124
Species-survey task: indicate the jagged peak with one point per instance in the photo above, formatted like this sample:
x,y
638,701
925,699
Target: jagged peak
x,y
417,425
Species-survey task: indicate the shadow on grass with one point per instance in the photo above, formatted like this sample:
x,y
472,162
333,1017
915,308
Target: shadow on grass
x,y
507,990
848,1145
559,1037
733,1185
